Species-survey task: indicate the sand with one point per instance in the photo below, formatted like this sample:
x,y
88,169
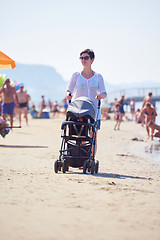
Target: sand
x,y
122,201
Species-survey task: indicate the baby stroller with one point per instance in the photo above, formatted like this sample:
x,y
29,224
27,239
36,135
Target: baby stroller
x,y
78,147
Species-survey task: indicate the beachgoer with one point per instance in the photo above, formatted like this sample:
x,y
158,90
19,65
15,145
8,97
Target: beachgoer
x,y
9,94
23,104
121,108
147,99
43,104
50,104
65,105
138,117
105,115
150,115
34,112
114,107
117,117
55,108
154,126
87,83
132,108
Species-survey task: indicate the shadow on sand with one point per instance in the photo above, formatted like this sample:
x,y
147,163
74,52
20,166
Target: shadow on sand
x,y
21,146
112,175
108,175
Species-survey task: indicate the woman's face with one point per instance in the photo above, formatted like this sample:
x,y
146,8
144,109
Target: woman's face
x,y
86,60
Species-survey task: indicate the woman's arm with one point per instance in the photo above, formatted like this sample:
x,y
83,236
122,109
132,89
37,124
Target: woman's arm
x,y
142,111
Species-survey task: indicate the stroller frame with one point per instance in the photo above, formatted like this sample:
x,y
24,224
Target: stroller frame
x,y
78,146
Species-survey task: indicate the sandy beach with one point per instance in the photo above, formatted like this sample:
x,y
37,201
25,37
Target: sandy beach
x,y
122,201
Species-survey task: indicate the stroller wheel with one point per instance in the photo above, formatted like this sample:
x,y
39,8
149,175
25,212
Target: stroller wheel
x,y
64,166
56,166
85,166
96,166
92,167
59,168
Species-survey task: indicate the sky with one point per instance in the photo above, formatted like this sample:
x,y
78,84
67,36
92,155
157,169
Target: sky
x,y
124,34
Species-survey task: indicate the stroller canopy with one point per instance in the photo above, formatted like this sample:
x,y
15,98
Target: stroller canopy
x,y
82,107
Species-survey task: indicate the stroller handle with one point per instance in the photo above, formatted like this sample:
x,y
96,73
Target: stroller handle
x,y
69,95
99,103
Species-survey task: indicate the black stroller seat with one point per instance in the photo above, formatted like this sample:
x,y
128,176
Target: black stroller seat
x,y
77,144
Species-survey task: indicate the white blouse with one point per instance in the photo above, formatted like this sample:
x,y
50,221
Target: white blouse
x,y
80,86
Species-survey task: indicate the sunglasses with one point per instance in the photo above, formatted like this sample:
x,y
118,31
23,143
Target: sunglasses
x,y
84,58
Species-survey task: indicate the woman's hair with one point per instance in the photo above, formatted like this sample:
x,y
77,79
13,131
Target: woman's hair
x,y
90,53
148,104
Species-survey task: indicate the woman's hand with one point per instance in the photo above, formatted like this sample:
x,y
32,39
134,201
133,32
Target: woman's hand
x,y
101,96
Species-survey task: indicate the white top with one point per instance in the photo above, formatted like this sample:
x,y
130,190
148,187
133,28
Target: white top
x,y
80,86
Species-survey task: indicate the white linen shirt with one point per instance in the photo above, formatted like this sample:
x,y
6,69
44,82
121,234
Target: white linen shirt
x,y
83,87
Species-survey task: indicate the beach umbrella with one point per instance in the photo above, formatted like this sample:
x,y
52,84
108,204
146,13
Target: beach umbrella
x,y
6,62
18,84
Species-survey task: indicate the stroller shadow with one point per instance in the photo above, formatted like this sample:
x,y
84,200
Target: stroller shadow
x,y
109,175
118,176
21,146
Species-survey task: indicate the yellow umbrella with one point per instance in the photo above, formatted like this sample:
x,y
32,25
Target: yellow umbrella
x,y
6,62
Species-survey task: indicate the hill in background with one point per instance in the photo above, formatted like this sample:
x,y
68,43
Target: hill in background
x,y
39,80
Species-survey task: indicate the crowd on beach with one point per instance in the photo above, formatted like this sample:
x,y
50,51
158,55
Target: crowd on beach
x,y
146,115
87,83
45,108
15,103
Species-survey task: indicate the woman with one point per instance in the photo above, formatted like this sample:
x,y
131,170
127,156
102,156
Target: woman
x,y
150,115
87,83
121,108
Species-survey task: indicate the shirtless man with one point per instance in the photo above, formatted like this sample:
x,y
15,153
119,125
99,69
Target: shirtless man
x,y
8,105
23,104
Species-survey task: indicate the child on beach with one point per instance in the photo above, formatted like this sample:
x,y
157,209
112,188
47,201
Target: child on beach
x,y
138,117
117,117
